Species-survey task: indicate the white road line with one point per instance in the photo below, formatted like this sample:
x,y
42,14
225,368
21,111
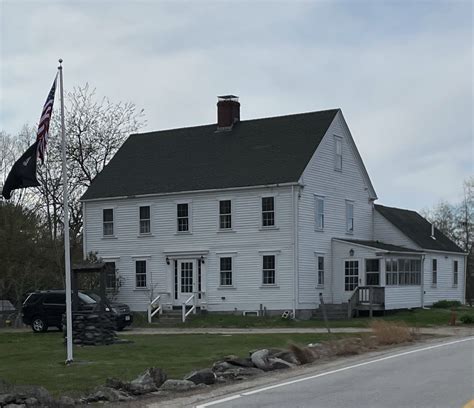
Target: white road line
x,y
208,404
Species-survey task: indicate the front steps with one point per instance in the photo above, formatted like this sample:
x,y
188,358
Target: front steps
x,y
171,318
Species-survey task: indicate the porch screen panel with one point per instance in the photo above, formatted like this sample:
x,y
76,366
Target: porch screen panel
x,y
351,275
372,272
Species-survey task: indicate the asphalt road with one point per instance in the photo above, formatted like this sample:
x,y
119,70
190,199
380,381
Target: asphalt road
x,y
440,375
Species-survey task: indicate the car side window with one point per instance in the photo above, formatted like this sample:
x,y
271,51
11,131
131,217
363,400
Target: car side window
x,y
55,299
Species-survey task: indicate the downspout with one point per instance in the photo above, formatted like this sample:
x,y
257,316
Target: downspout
x,y
422,281
295,248
84,244
465,278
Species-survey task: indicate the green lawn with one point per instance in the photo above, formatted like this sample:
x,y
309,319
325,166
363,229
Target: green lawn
x,y
28,358
414,317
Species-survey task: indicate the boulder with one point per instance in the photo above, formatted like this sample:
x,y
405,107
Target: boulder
x,y
143,384
205,376
158,375
15,406
107,394
40,393
238,372
276,363
65,402
177,385
237,361
260,359
32,402
287,356
7,399
115,383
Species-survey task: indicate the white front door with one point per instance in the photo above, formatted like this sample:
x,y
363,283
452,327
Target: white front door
x,y
186,279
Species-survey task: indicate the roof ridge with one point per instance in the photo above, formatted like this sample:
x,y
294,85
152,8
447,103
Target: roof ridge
x,y
241,121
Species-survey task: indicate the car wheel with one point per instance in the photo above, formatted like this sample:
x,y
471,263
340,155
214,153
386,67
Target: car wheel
x,y
39,325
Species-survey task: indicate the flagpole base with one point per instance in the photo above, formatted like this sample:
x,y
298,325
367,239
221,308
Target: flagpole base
x,y
68,362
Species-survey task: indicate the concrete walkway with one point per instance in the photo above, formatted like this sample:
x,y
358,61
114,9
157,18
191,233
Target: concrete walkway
x,y
441,330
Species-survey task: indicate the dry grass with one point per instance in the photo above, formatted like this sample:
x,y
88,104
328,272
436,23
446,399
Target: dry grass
x,y
303,354
391,332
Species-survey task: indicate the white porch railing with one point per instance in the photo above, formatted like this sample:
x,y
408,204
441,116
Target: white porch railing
x,y
154,307
185,314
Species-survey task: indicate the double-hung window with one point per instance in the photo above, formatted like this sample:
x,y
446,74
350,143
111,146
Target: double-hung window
x,y
108,222
225,214
337,153
183,217
145,219
349,217
140,274
268,211
110,277
319,206
320,262
434,272
391,272
455,273
226,271
268,270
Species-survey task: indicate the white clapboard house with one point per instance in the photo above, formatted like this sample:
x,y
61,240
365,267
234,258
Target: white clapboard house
x,y
265,214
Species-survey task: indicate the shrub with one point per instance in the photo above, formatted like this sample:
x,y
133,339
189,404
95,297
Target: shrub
x,y
446,304
467,319
391,332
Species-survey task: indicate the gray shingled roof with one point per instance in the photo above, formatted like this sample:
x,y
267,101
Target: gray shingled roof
x,y
417,228
255,152
380,245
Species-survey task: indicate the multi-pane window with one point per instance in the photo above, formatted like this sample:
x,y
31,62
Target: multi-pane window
x,y
268,211
110,278
319,204
108,221
349,216
337,153
391,272
186,277
225,214
183,217
320,270
455,273
372,272
403,272
140,274
145,220
226,271
434,272
351,275
268,270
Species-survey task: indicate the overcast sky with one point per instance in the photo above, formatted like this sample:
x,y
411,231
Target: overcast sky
x,y
401,71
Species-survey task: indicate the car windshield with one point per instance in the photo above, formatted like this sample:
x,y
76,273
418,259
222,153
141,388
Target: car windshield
x,y
32,298
86,298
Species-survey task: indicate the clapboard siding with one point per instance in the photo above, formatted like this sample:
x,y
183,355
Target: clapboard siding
x,y
402,297
247,240
320,178
385,231
445,288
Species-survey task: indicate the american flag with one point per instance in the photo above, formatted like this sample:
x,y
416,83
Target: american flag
x,y
43,127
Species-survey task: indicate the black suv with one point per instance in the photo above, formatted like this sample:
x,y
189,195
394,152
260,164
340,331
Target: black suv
x,y
45,308
42,309
120,311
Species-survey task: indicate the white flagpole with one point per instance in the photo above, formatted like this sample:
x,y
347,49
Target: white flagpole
x,y
67,256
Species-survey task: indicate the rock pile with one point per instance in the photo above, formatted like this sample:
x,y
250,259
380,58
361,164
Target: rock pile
x,y
92,329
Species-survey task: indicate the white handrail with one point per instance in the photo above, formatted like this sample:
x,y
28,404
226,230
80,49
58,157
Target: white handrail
x,y
156,310
185,314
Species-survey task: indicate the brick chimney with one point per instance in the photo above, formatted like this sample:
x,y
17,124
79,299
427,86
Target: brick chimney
x,y
228,111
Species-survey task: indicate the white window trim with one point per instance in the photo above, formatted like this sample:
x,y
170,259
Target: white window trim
x,y
348,231
219,229
114,222
337,139
190,216
316,214
433,271
146,234
275,254
455,285
145,258
275,224
359,260
232,255
320,285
